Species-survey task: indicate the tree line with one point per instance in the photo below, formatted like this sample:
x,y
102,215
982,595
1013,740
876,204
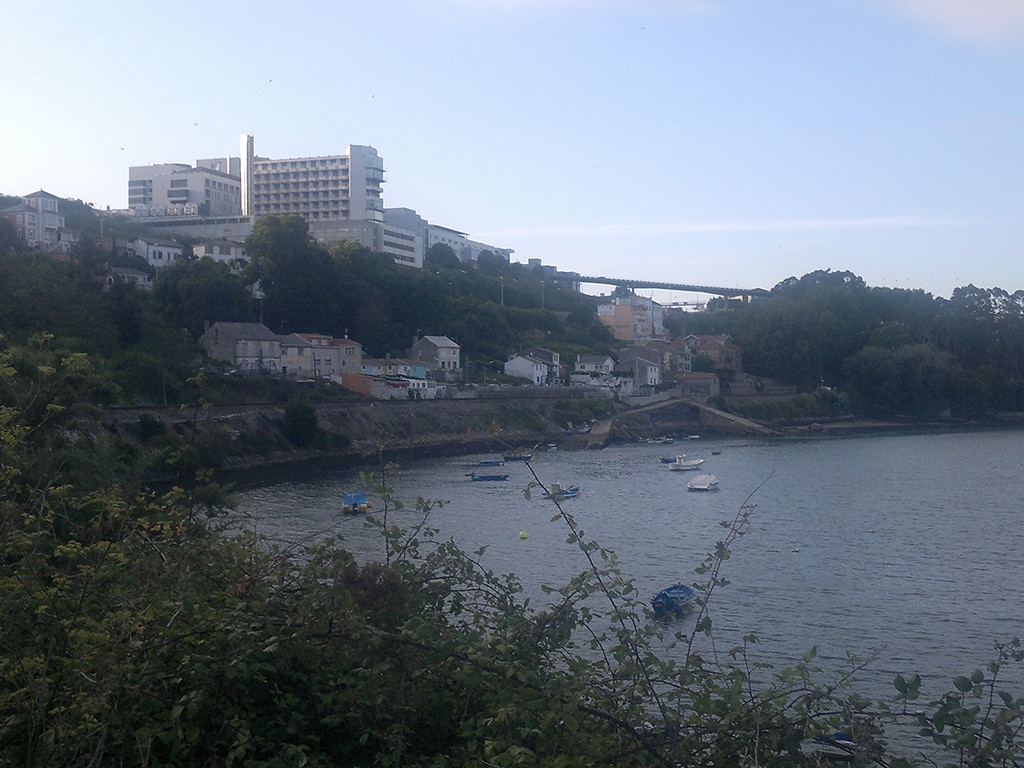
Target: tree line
x,y
892,351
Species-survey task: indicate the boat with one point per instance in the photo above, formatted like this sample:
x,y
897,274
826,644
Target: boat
x,y
491,463
557,492
354,502
667,459
676,600
703,483
683,464
488,478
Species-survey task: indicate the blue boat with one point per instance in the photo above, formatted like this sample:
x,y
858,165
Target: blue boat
x,y
558,492
488,478
354,502
676,600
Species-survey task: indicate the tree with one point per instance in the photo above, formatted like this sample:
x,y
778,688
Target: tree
x,y
195,294
490,263
300,281
441,256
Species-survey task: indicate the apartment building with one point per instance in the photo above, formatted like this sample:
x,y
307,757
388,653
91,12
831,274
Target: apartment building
x,y
632,318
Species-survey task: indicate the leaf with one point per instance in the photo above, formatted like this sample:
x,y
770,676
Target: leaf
x,y
962,683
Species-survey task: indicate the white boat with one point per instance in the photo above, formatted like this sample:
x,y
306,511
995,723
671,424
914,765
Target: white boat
x,y
683,464
703,482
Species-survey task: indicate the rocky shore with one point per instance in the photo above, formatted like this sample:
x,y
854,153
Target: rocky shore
x,y
371,432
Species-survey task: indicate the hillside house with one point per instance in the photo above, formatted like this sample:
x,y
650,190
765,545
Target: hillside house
x,y
439,355
594,364
250,347
724,354
536,371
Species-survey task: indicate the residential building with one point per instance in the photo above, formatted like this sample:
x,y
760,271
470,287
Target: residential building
x,y
157,253
141,280
536,371
700,385
657,351
594,364
250,347
297,359
440,355
646,373
632,318
556,371
724,354
226,251
38,222
393,366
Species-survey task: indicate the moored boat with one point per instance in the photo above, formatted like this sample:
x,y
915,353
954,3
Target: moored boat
x,y
558,492
491,463
704,482
488,478
354,502
676,600
683,464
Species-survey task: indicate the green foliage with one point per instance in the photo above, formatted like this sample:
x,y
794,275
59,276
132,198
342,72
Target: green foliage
x,y
195,294
139,632
300,423
820,404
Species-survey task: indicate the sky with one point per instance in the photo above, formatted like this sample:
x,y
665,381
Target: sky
x,y
732,143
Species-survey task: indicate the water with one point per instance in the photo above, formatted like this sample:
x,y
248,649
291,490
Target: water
x,y
908,545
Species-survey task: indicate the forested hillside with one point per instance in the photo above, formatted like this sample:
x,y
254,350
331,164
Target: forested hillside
x,y
888,351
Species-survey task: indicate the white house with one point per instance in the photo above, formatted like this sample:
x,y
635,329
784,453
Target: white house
x,y
526,367
231,253
594,364
157,253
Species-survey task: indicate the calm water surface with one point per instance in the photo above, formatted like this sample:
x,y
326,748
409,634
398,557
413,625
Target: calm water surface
x,y
910,544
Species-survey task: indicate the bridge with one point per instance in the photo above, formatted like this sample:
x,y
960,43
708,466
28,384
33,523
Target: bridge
x,y
713,290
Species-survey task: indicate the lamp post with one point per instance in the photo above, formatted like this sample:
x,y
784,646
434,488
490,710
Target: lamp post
x,y
502,279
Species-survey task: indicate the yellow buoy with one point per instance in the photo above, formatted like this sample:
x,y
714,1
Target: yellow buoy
x,y
522,534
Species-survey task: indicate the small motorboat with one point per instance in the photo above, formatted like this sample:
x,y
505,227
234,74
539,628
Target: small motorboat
x,y
683,464
557,492
354,503
488,478
491,463
667,459
676,600
703,483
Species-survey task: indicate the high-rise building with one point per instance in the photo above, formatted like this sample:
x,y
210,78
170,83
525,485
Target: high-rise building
x,y
332,187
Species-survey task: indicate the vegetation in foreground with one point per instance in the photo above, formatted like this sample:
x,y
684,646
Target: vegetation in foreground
x,y
143,629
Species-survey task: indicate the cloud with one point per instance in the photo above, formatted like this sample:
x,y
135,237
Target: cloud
x,y
723,227
999,22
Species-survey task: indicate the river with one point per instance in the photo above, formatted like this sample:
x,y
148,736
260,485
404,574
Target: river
x,y
908,545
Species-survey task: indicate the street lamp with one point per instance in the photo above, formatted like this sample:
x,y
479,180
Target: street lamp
x,y
502,279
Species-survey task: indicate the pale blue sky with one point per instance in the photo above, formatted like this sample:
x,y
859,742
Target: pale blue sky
x,y
718,142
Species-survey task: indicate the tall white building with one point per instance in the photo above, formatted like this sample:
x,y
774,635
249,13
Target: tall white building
x,y
330,187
